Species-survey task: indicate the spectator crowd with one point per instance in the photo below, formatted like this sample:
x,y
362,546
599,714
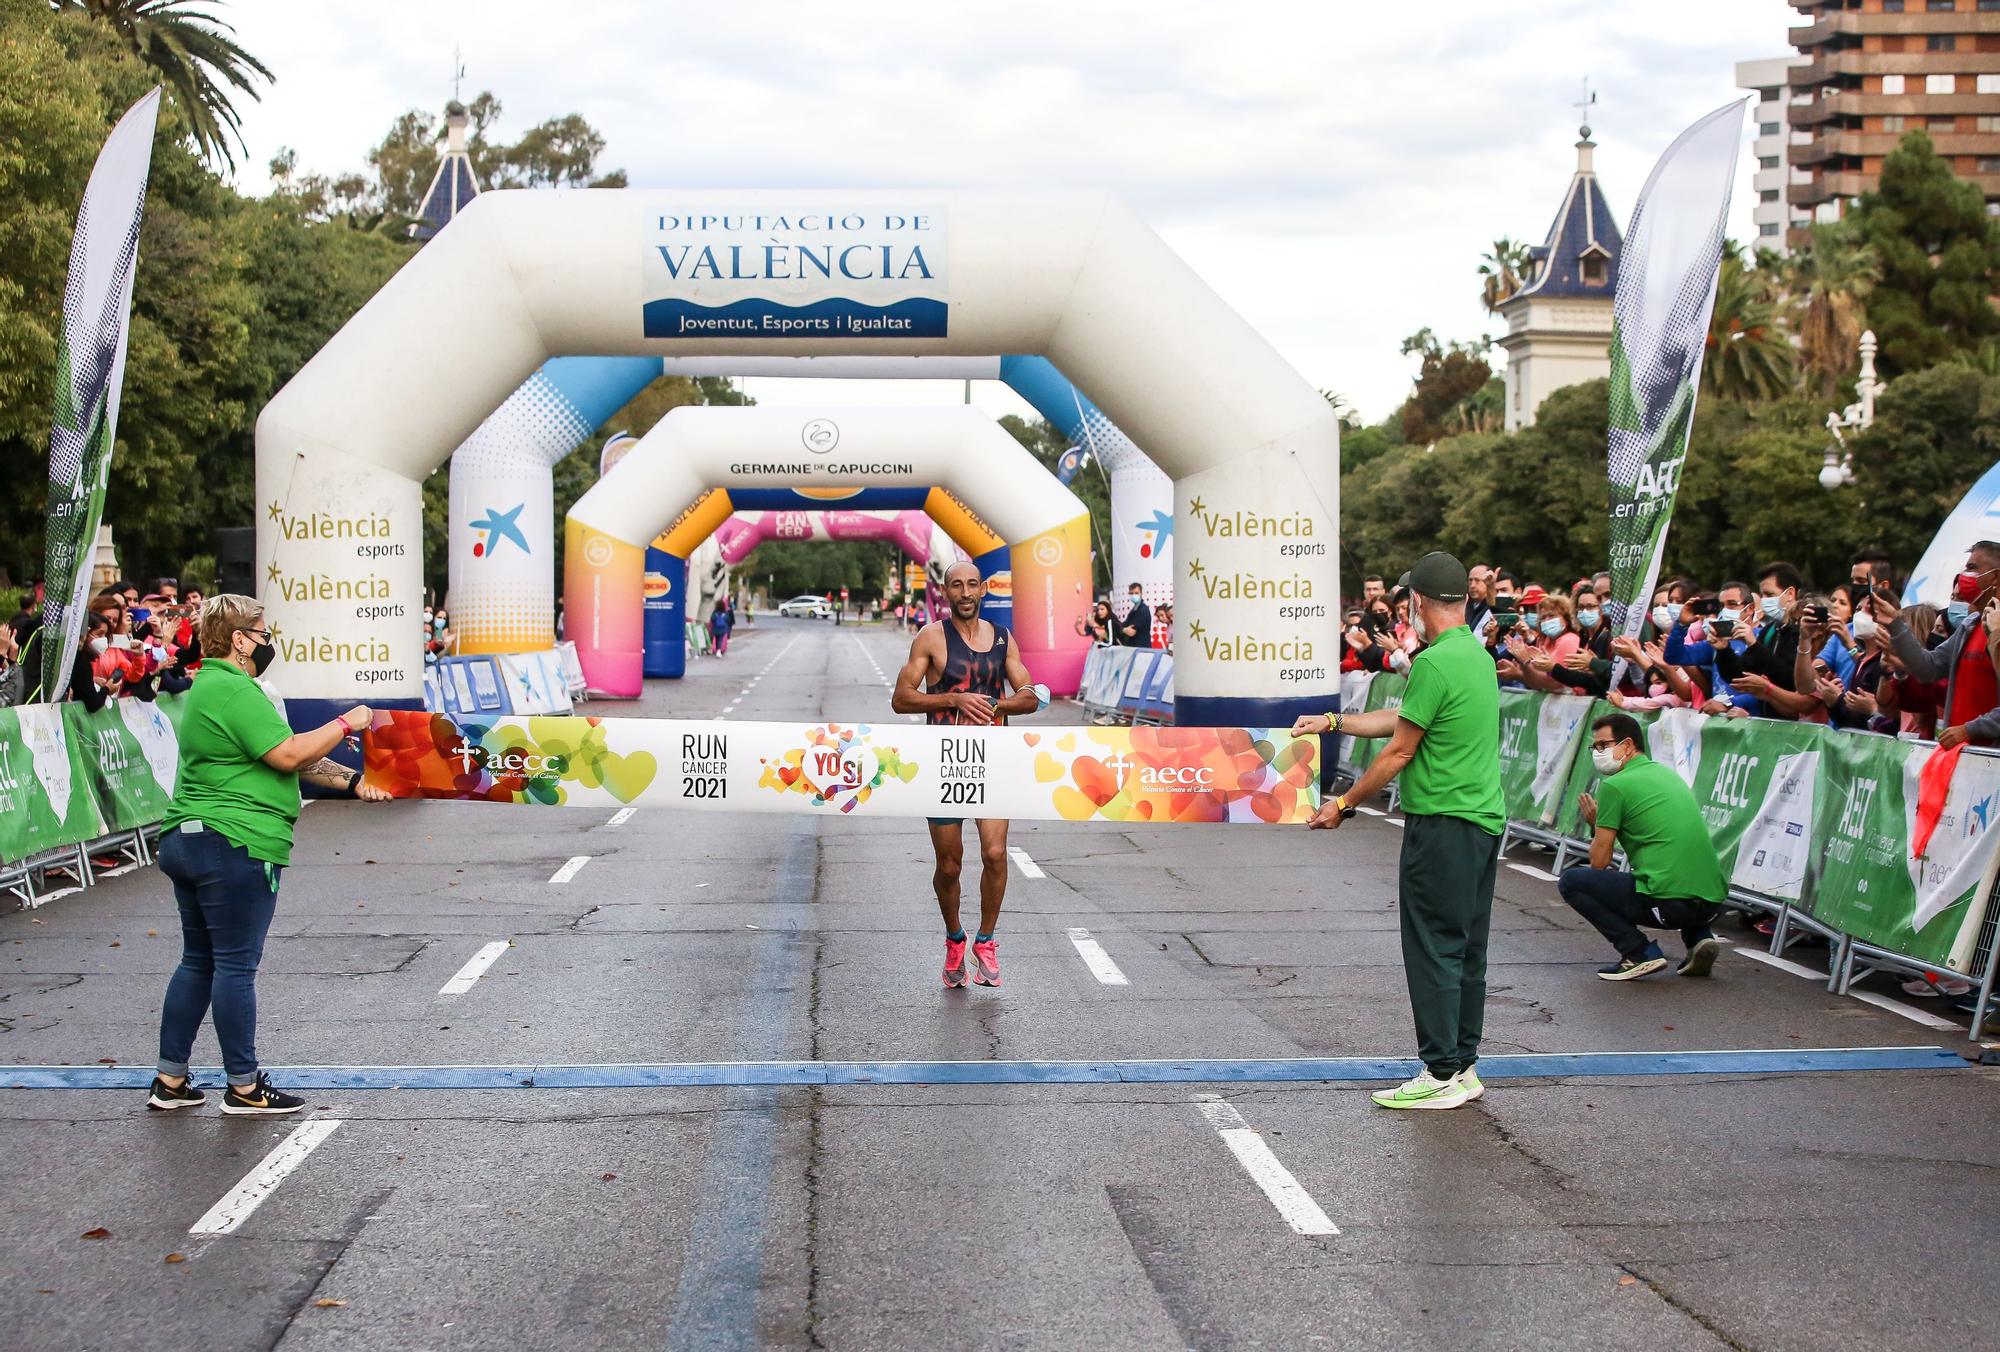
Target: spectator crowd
x,y
133,645
1848,655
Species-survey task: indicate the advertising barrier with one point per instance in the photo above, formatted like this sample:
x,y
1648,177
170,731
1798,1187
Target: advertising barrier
x,y
1133,685
1129,775
1804,817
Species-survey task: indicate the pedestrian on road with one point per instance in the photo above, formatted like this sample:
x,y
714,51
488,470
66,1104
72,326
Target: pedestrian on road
x,y
226,841
1676,879
1445,742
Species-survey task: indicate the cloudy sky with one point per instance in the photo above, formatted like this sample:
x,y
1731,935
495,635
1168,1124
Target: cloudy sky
x,y
1333,168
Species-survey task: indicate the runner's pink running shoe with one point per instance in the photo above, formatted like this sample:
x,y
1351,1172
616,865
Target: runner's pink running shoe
x,y
954,963
986,963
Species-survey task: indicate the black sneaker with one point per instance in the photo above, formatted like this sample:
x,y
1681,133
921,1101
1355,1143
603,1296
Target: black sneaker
x,y
1701,956
1625,969
260,1100
164,1099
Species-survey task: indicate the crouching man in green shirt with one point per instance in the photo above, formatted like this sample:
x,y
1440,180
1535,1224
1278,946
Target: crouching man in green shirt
x,y
1445,742
1676,880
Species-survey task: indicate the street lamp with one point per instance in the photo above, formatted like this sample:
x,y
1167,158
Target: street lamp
x,y
1858,416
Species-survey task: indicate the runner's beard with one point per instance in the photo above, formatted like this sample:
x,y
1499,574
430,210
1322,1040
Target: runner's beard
x,y
965,609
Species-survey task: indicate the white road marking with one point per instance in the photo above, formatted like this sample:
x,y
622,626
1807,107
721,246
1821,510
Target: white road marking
x,y
1371,811
1394,821
240,1201
1910,1012
462,981
1096,959
1029,868
1293,1202
1782,964
1533,872
621,816
571,869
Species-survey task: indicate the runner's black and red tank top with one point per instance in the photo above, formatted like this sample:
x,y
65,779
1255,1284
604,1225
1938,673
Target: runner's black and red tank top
x,y
969,671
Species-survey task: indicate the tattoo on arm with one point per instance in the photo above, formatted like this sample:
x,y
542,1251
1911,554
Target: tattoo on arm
x,y
327,773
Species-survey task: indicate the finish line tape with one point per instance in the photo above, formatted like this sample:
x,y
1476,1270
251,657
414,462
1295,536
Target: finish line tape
x,y
1332,1069
1127,775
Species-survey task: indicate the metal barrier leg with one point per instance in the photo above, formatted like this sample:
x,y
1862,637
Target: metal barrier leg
x,y
1779,930
1984,1004
1837,974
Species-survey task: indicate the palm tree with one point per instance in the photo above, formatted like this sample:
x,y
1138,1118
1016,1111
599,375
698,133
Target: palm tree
x,y
191,49
1750,358
1504,269
1830,284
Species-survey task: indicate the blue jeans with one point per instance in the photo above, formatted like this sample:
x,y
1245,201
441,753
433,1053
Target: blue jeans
x,y
226,900
1611,901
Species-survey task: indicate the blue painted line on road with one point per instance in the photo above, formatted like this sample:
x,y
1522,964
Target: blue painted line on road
x,y
708,1074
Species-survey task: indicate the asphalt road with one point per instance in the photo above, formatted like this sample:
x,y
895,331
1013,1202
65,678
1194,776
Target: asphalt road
x,y
1858,1209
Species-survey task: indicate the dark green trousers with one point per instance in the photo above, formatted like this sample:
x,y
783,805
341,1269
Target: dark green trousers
x,y
1447,909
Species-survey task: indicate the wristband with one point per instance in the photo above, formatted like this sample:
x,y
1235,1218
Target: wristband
x,y
1332,722
354,784
346,728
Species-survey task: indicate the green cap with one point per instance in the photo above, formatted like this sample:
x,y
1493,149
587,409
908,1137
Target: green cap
x,y
1439,576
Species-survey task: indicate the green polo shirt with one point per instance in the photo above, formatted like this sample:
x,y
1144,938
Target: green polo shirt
x,y
227,725
1660,826
1454,697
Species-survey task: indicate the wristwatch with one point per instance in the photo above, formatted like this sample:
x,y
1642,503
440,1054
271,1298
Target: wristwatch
x,y
1332,722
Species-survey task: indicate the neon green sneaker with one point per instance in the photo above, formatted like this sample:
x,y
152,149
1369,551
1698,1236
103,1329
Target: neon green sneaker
x,y
1468,1080
1426,1091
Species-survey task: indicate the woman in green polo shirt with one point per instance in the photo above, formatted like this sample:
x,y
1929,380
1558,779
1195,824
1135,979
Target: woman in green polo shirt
x,y
225,842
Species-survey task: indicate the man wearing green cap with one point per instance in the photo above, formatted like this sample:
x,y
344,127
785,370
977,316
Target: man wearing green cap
x,y
1445,742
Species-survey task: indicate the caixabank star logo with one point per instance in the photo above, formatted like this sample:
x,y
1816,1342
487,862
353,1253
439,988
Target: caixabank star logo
x,y
838,766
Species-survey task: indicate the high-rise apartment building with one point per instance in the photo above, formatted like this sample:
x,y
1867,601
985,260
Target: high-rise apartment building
x,y
1877,69
1773,214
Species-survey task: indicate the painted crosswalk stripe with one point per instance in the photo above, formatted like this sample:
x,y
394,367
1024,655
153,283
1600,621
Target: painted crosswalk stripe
x,y
1293,1202
571,869
240,1201
1096,959
621,816
1533,872
462,980
1029,868
1371,811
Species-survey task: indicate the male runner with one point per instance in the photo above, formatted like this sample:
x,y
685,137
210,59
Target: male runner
x,y
963,661
1445,742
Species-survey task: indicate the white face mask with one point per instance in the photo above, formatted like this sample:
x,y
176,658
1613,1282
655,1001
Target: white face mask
x,y
1605,759
1664,617
98,645
1864,626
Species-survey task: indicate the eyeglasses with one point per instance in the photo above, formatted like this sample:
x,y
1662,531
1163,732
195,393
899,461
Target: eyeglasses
x,y
261,635
1596,745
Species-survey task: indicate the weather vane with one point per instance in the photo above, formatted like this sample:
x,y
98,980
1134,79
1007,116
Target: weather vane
x,y
1583,107
457,72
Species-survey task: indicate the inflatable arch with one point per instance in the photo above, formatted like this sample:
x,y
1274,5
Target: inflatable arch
x,y
1975,518
520,277
501,534
678,590
676,484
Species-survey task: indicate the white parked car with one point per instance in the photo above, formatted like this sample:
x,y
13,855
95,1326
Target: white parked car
x,y
812,607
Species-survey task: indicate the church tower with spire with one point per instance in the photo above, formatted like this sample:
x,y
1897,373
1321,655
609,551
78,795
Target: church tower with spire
x,y
1559,322
453,185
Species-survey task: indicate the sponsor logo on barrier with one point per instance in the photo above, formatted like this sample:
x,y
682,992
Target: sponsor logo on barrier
x,y
1048,551
838,767
1000,586
1155,531
597,551
524,764
1162,778
820,435
658,585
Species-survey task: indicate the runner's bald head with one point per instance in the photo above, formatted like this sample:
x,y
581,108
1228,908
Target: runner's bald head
x,y
963,566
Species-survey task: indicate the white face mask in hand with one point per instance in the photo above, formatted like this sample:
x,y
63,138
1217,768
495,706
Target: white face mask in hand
x,y
1864,626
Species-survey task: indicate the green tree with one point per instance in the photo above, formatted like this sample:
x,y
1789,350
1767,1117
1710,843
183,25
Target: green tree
x,y
1536,501
1092,485
1935,432
191,51
1750,356
1503,266
561,152
1447,377
1830,283
1940,259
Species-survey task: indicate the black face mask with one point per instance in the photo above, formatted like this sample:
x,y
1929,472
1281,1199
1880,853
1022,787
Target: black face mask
x,y
260,657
